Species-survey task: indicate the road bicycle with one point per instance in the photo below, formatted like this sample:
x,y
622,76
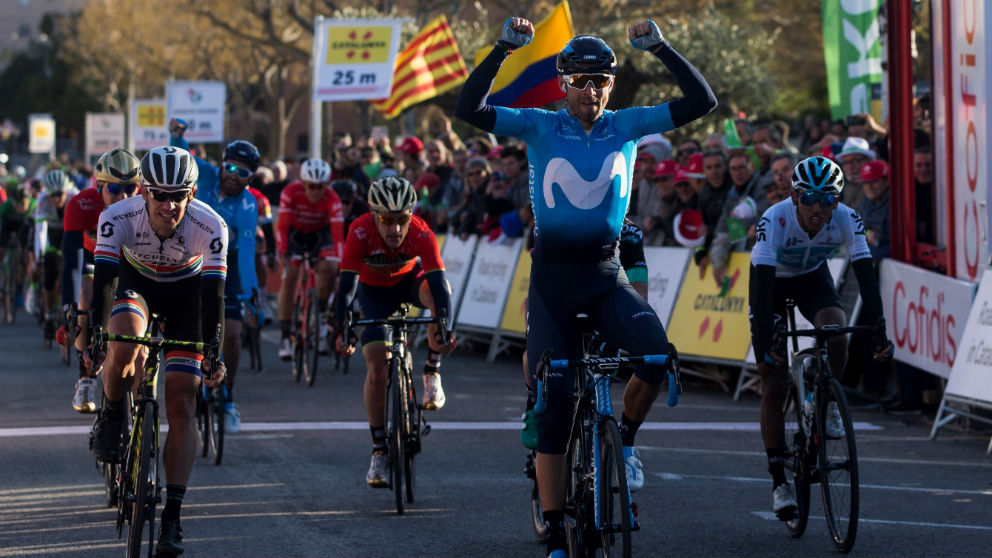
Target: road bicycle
x,y
111,471
138,486
70,313
306,323
210,421
819,453
599,513
407,425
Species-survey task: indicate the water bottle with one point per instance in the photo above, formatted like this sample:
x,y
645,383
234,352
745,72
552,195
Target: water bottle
x,y
808,413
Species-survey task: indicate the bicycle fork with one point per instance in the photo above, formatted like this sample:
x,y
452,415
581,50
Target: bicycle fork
x,y
604,410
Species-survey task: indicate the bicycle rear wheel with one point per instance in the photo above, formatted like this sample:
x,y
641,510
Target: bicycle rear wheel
x,y
797,460
838,468
616,511
215,417
312,336
142,483
397,457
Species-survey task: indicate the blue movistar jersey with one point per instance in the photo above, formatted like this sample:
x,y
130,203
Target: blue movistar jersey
x,y
239,212
580,182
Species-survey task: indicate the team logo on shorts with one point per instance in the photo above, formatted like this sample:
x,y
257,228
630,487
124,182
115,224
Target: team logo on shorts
x,y
107,229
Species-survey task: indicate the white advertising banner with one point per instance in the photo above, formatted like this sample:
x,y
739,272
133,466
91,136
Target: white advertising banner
x,y
202,105
41,133
149,128
353,58
104,131
971,150
971,375
666,267
457,257
924,315
488,284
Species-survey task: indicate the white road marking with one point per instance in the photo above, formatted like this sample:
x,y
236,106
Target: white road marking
x,y
764,480
771,517
897,461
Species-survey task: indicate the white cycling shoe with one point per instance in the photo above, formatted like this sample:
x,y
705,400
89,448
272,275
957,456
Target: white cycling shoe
x,y
834,424
433,392
378,474
84,400
634,469
784,502
232,417
285,349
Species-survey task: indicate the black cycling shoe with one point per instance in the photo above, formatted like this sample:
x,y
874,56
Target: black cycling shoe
x,y
107,435
170,539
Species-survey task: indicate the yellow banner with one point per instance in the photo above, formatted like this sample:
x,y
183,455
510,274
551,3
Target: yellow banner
x,y
358,45
514,315
151,116
707,324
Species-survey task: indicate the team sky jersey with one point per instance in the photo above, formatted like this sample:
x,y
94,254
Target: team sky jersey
x,y
48,223
82,213
376,264
781,242
239,212
198,247
580,182
297,213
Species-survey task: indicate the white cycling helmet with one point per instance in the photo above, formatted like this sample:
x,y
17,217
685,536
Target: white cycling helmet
x,y
169,168
392,194
315,170
818,174
56,180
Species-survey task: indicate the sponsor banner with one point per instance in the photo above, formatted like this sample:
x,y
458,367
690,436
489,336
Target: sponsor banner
x,y
970,148
354,58
710,323
971,375
457,257
414,311
149,128
202,105
852,50
838,267
666,266
515,312
488,284
104,131
41,133
924,315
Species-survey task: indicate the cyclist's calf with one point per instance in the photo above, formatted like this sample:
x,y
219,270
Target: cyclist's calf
x,y
554,424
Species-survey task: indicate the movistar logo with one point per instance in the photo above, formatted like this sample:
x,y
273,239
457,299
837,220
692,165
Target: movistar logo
x,y
581,193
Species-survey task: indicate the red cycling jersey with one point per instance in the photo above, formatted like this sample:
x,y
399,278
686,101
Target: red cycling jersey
x,y
297,213
377,264
82,213
264,207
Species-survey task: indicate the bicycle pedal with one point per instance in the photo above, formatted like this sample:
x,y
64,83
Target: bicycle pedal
x,y
633,509
425,430
636,526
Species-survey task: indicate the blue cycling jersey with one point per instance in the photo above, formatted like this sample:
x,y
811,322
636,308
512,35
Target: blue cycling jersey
x,y
580,182
239,212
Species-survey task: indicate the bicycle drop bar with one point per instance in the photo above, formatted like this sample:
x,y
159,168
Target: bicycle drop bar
x,y
612,363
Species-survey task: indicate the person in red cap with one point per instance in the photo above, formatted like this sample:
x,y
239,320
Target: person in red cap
x,y
689,228
409,151
695,171
685,198
662,183
874,208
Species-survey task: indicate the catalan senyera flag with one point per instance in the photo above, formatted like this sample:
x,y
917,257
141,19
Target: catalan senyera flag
x,y
528,78
427,67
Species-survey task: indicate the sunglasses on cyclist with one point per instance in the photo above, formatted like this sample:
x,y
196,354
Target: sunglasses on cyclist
x,y
581,81
390,220
241,172
116,189
163,196
809,197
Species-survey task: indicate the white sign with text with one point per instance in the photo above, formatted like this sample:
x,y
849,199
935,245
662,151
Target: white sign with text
x,y
104,131
457,257
353,59
202,105
488,284
148,124
666,267
971,376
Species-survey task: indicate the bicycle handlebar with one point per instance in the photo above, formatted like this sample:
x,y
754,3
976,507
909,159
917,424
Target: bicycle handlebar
x,y
394,321
610,363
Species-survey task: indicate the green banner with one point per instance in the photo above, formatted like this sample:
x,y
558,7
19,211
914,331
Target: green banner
x,y
852,50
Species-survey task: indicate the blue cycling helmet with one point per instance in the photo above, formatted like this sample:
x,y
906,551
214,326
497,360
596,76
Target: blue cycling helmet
x,y
586,54
243,152
818,174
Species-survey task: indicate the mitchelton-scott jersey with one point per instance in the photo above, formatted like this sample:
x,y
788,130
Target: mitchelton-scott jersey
x,y
781,242
198,247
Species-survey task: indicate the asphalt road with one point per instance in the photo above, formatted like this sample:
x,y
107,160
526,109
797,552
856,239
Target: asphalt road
x,y
293,481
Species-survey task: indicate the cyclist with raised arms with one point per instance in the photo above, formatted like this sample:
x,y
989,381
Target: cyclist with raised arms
x,y
581,167
48,228
310,222
116,174
391,257
168,253
223,188
794,239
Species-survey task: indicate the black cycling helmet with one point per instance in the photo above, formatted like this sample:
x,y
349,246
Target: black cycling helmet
x,y
586,54
243,152
345,189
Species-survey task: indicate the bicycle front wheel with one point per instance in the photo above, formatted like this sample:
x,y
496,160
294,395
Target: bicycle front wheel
x,y
797,460
577,496
215,412
838,465
616,511
397,455
312,336
299,338
203,422
143,483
